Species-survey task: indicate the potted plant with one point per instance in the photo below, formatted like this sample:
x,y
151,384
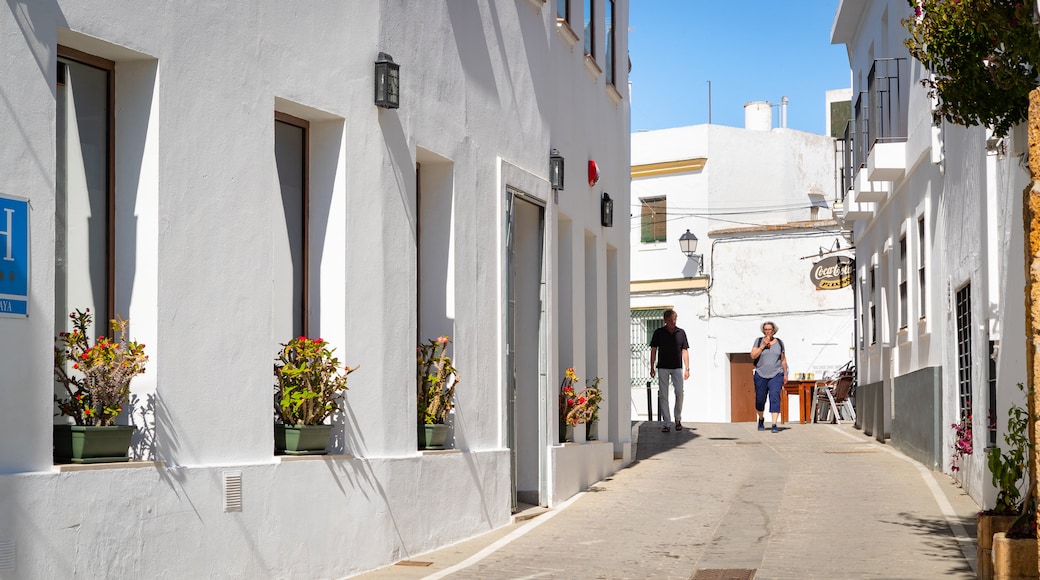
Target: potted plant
x,y
309,385
572,406
436,382
593,397
96,377
962,441
1007,469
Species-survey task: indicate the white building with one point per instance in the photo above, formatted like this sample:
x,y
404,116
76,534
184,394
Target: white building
x,y
937,221
757,199
219,173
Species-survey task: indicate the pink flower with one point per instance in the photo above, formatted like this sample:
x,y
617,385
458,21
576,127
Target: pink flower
x,y
443,339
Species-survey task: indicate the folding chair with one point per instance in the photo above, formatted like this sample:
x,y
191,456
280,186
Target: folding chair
x,y
833,399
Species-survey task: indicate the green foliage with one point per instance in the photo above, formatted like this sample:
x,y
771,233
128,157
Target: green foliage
x,y
593,397
309,384
436,381
983,54
1008,467
96,377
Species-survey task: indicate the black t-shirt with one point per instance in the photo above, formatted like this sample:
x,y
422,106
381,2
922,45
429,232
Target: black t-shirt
x,y
669,347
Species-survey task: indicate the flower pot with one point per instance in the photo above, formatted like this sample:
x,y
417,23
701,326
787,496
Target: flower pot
x,y
1014,558
432,436
592,431
987,525
566,433
89,444
301,439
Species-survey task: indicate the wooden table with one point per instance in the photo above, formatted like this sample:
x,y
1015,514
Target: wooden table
x,y
804,390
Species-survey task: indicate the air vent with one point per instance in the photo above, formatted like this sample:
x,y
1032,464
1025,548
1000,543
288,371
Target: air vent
x,y
7,555
232,491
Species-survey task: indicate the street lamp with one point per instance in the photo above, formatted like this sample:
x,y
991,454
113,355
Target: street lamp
x,y
388,82
688,245
555,169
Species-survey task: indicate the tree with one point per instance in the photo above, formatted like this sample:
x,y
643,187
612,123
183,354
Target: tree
x,y
983,56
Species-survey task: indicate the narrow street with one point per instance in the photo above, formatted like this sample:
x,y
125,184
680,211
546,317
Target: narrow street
x,y
727,501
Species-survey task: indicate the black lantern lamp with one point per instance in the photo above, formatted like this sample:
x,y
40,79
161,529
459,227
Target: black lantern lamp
x,y
606,211
388,82
688,245
556,169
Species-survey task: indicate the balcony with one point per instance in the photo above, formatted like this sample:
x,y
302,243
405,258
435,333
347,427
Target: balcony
x,y
867,190
887,95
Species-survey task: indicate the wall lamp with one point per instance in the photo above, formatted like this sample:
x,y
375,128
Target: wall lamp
x,y
388,82
606,211
688,245
555,169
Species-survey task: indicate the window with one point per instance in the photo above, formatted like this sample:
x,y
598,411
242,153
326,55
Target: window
x,y
609,35
291,232
653,224
964,364
902,284
644,321
590,36
921,279
991,419
84,245
563,10
872,309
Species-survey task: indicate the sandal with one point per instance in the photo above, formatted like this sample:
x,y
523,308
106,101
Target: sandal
x,y
678,426
665,430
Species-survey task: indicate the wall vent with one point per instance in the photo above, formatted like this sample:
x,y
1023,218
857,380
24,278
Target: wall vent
x,y
7,555
232,491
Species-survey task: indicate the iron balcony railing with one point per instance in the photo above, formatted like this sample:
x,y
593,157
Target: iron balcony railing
x,y
888,103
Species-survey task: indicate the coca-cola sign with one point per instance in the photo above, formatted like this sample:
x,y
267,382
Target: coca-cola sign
x,y
833,273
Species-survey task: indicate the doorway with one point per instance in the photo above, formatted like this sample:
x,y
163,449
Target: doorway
x,y
525,349
741,388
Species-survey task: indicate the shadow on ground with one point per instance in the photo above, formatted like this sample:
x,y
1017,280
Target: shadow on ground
x,y
651,441
939,540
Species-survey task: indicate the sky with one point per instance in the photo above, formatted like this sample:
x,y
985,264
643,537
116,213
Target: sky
x,y
753,50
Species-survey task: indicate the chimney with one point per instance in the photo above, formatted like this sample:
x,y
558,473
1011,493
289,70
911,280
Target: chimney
x,y
783,112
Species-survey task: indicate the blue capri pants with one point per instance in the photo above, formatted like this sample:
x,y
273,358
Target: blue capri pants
x,y
770,386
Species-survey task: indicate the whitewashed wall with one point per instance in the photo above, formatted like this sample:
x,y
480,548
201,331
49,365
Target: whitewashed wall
x,y
488,87
754,181
971,202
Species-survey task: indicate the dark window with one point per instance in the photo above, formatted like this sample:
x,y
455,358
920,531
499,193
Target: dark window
x,y
590,26
964,365
290,247
903,307
872,308
84,248
563,10
921,279
609,34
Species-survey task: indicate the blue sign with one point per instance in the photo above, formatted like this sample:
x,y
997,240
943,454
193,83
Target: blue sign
x,y
14,256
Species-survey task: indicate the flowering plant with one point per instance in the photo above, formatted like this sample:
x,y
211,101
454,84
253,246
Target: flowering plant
x,y
572,405
593,397
308,384
437,379
962,442
98,382
1008,467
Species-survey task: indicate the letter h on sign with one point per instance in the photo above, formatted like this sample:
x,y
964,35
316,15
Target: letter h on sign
x,y
14,256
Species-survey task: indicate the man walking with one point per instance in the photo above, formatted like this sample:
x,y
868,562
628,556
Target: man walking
x,y
674,349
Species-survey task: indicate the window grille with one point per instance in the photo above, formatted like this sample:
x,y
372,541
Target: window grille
x,y
964,364
644,322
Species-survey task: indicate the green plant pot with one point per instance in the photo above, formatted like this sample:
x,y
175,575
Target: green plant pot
x,y
301,439
566,433
592,431
432,436
89,444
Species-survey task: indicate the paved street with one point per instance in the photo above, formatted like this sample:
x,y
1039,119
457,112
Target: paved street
x,y
728,501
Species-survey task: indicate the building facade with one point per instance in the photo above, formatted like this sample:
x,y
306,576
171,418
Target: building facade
x,y
221,175
936,214
757,199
